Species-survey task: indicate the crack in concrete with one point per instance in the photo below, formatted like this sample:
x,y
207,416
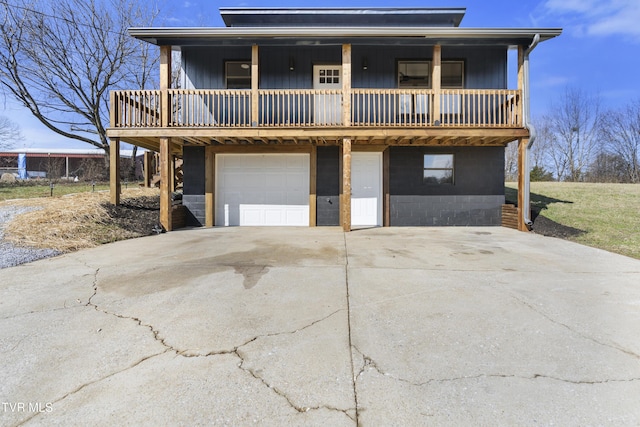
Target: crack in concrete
x,y
570,329
353,376
276,390
369,363
48,310
185,353
234,351
83,386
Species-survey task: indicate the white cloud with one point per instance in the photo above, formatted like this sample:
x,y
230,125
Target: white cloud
x,y
598,18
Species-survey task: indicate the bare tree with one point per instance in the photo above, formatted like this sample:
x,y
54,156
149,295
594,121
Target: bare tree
x,y
9,132
574,126
622,138
60,59
538,152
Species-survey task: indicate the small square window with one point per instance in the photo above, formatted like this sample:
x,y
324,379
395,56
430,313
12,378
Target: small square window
x,y
438,169
452,74
238,74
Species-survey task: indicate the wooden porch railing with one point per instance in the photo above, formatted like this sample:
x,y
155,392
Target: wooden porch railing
x,y
319,108
135,108
480,108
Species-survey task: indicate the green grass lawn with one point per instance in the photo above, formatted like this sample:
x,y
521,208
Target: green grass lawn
x,y
609,214
8,192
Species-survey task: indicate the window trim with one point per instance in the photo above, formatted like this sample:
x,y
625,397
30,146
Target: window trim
x,y
452,169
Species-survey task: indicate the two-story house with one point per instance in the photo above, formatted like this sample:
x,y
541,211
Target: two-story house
x,y
350,117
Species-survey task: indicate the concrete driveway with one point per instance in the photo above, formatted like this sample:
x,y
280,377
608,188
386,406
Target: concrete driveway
x,y
311,326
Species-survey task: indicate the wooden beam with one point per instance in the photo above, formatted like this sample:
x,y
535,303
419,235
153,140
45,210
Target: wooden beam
x,y
386,197
307,134
240,149
340,189
165,184
437,78
114,171
255,73
209,187
373,148
346,184
346,84
165,85
147,172
172,170
313,175
522,208
520,67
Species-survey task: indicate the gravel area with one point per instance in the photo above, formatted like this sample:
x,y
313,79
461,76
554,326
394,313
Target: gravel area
x,y
11,255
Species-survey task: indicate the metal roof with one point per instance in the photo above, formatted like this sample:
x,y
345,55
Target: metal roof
x,y
339,17
242,36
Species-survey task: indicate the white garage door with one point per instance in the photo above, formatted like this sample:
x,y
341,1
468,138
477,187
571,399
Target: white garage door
x,y
262,189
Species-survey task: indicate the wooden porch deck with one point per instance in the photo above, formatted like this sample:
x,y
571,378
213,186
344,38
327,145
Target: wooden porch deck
x,y
370,116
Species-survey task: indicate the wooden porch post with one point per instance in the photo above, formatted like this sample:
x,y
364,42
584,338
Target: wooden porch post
x,y
345,209
254,85
166,157
165,184
522,208
114,171
346,184
346,85
147,169
313,165
209,186
522,149
436,84
520,104
165,85
386,198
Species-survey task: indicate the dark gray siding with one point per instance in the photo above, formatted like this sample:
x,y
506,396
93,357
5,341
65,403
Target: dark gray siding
x,y
485,67
204,66
328,186
193,169
475,198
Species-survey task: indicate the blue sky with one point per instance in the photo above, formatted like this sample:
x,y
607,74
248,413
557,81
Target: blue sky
x,y
599,50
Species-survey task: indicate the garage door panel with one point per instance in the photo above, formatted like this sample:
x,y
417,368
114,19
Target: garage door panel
x,y
275,180
262,189
276,198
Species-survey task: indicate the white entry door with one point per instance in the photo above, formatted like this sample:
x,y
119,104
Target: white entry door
x,y
327,107
262,189
366,189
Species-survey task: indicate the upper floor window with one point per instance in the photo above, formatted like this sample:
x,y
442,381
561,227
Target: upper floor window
x,y
452,75
417,74
414,74
237,74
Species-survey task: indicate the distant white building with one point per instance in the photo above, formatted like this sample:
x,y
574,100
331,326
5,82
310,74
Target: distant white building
x,y
37,162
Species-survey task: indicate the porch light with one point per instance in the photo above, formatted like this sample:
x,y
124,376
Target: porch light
x,y
244,66
365,63
292,64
